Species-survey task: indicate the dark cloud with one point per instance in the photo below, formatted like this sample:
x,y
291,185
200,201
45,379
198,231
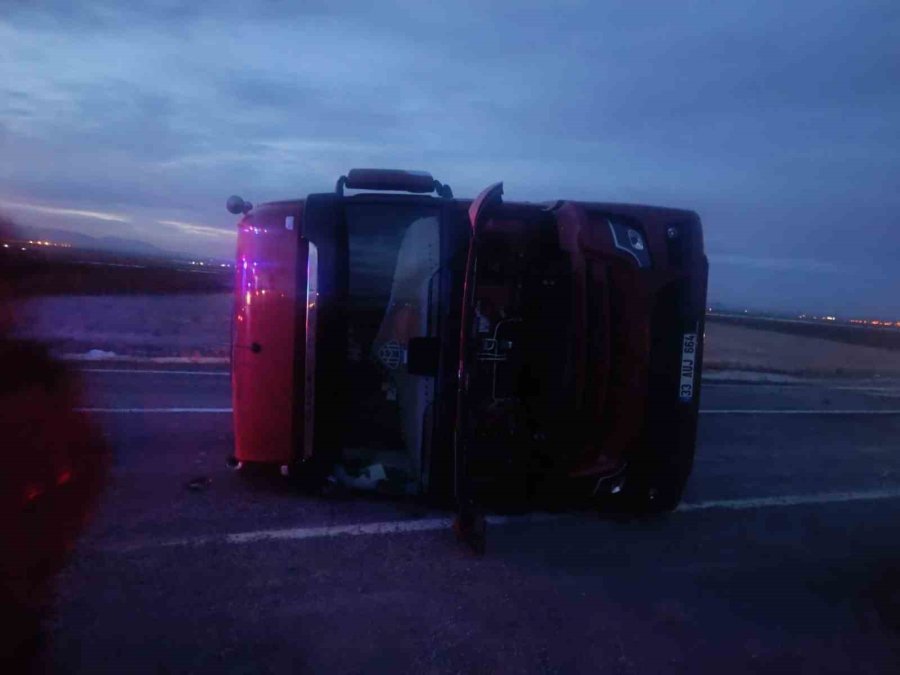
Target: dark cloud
x,y
778,122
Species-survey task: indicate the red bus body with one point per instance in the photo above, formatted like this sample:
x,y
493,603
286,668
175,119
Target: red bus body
x,y
480,350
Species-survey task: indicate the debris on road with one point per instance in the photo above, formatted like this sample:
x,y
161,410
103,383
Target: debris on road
x,y
199,483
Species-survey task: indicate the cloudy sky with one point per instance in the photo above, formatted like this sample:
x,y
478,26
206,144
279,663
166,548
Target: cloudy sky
x,y
779,122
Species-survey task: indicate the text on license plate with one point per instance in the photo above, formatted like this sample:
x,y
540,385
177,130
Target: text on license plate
x,y
688,359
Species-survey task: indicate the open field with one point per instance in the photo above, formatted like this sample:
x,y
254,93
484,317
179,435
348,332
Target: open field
x,y
738,348
197,325
48,270
868,336
141,325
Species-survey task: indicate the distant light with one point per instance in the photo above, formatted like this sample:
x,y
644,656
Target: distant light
x,y
201,262
5,245
24,249
223,265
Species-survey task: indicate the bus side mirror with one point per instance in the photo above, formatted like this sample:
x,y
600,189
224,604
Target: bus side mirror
x,y
238,206
423,356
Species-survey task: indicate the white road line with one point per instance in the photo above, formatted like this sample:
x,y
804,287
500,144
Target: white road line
x,y
225,373
390,527
353,530
330,531
214,411
823,386
709,383
213,373
873,389
436,524
702,412
793,500
799,412
297,533
765,385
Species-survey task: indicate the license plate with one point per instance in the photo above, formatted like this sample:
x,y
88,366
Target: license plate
x,y
688,359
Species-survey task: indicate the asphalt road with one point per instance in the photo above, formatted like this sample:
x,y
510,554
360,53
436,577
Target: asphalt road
x,y
784,556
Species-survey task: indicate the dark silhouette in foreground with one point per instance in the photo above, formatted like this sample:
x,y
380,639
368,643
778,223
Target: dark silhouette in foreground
x,y
54,465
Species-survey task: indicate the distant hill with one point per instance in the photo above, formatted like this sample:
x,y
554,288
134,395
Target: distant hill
x,y
78,240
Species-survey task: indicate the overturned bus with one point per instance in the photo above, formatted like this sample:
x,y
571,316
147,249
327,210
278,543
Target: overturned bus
x,y
469,351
